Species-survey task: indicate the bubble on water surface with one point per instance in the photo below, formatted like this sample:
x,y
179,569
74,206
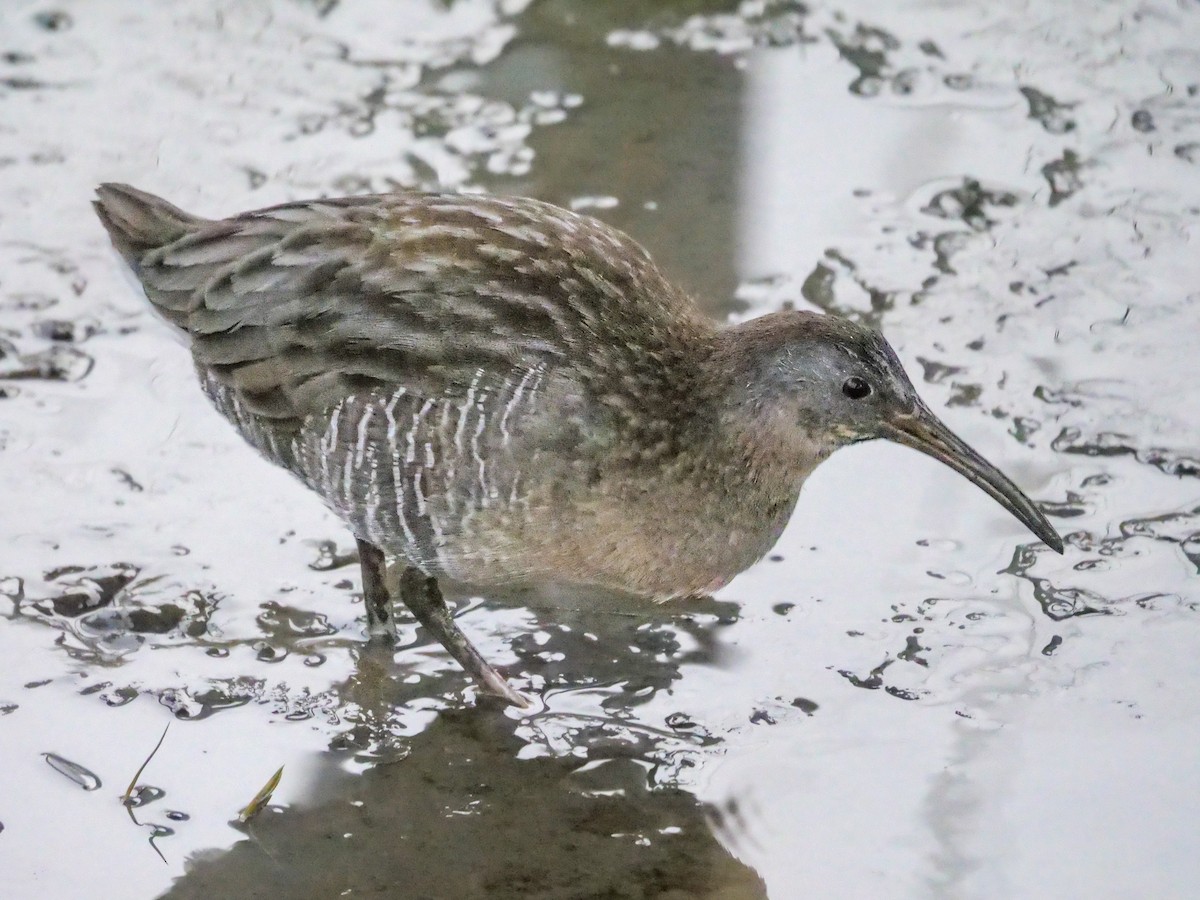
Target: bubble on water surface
x,y
144,794
281,622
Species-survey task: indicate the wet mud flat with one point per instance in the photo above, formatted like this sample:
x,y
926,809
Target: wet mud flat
x,y
906,698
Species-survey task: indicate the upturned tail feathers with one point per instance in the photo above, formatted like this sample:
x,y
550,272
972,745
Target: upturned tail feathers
x,y
138,222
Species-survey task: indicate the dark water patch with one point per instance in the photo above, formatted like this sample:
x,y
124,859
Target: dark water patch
x,y
872,681
218,695
945,246
1060,270
57,363
1074,505
1065,396
911,651
1054,115
458,816
322,8
80,775
818,286
1066,603
328,557
111,695
266,653
614,661
107,612
282,624
12,589
1023,428
1062,175
964,394
128,480
119,696
52,20
707,25
1110,443
1181,529
1058,603
820,289
642,650
143,795
66,331
1170,462
482,134
678,721
18,83
161,619
971,203
1053,645
866,48
27,302
1164,601
935,372
1188,152
1142,120
84,590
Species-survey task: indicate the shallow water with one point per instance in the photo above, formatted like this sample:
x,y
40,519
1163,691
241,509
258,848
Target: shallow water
x,y
908,698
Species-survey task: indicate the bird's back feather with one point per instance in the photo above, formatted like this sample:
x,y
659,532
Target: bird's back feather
x,y
296,306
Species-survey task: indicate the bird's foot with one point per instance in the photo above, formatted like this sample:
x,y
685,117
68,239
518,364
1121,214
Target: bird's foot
x,y
422,595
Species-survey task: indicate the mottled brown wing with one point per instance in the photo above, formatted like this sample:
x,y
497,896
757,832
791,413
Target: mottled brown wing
x,y
297,306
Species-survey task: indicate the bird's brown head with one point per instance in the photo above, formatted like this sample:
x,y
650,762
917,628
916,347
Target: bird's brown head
x,y
829,382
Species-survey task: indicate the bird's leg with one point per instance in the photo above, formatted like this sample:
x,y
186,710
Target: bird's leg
x,y
422,595
381,621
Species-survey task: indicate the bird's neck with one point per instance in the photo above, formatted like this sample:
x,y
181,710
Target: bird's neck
x,y
754,436
736,480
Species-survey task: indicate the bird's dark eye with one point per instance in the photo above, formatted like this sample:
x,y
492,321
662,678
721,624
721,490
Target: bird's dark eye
x,y
855,388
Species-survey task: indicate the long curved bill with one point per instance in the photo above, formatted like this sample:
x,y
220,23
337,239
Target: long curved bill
x,y
925,432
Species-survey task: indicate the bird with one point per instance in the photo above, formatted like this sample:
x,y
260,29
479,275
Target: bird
x,y
498,391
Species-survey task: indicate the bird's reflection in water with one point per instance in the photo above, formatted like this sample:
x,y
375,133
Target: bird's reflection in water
x,y
575,799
